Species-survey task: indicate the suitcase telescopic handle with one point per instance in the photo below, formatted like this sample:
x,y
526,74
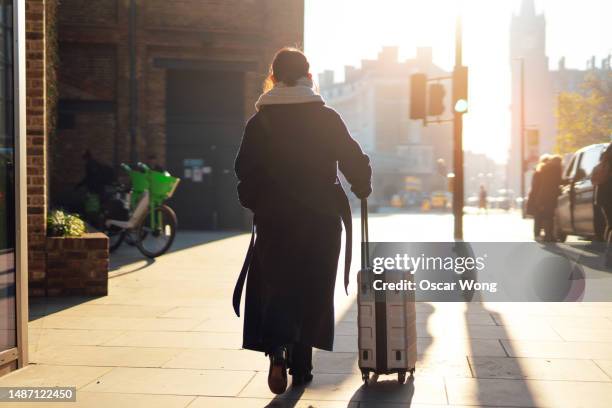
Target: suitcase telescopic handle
x,y
365,235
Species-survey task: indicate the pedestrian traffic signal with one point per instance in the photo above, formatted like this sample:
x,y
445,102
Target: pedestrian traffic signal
x,y
436,100
460,89
418,96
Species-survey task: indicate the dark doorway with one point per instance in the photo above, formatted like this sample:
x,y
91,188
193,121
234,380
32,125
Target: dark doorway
x,y
205,116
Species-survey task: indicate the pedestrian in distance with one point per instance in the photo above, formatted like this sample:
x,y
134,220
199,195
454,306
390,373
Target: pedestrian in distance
x,y
482,200
532,207
602,180
287,169
548,192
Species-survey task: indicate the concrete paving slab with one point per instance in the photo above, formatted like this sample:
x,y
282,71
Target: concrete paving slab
x,y
202,312
442,318
335,362
95,310
230,325
435,365
528,393
606,366
537,369
53,376
118,323
451,347
215,359
100,356
547,349
171,381
585,334
178,340
582,322
523,332
39,338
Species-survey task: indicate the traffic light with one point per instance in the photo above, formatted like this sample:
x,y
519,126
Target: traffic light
x,y
418,96
460,86
436,100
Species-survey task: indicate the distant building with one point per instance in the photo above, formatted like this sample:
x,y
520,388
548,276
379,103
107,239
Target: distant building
x,y
542,85
374,101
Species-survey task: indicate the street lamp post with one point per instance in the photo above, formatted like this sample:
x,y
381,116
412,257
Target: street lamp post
x,y
522,134
458,187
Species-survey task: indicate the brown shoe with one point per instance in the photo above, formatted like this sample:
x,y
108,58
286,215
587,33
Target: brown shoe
x,y
277,376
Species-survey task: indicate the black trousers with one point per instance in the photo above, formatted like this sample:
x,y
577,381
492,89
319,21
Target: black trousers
x,y
548,222
537,225
300,359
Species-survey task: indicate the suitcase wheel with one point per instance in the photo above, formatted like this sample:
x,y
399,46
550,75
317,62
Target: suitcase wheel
x,y
401,377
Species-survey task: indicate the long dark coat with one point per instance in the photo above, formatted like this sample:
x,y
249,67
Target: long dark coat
x,y
549,188
536,184
287,171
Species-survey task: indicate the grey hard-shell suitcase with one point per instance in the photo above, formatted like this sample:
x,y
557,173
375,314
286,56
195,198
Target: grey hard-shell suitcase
x,y
386,319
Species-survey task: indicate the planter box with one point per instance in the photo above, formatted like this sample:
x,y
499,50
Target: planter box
x,y
77,266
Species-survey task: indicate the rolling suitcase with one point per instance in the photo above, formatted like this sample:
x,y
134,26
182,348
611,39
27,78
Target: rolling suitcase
x,y
386,319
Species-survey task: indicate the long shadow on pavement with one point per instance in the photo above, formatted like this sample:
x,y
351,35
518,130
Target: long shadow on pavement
x,y
491,371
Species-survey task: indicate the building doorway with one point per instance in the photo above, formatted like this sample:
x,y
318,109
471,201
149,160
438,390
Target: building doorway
x,y
205,116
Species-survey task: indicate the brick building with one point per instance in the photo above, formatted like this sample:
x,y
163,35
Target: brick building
x,y
198,65
72,71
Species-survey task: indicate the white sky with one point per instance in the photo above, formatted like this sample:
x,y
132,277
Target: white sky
x,y
342,32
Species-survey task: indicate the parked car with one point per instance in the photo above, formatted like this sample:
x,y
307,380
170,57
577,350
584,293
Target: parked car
x,y
576,212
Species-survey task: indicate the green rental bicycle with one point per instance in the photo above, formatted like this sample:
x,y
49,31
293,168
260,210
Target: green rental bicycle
x,y
151,224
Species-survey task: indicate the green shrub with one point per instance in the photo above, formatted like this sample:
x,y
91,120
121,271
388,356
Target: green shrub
x,y
62,224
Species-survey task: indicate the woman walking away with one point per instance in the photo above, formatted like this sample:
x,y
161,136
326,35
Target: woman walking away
x,y
287,170
533,193
548,192
602,179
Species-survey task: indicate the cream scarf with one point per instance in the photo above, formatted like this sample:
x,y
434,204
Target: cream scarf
x,y
281,94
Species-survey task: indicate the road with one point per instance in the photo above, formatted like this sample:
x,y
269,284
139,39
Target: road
x,y
494,226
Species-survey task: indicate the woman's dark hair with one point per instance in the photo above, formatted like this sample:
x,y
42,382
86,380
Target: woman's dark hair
x,y
289,65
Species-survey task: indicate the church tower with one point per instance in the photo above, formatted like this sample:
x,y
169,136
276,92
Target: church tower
x,y
528,46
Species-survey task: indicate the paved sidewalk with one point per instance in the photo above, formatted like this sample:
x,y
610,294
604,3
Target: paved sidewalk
x,y
166,336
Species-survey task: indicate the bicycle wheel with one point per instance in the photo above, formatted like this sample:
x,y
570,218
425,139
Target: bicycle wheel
x,y
115,237
155,241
